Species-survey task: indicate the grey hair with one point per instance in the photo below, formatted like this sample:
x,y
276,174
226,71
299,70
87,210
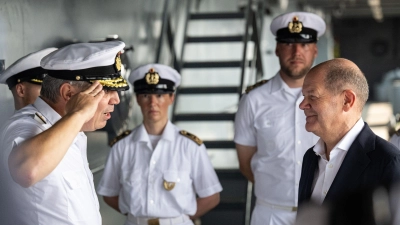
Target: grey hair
x,y
340,77
51,87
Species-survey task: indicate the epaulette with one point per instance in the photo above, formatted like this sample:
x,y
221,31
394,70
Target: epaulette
x,y
397,132
38,117
191,137
256,85
119,137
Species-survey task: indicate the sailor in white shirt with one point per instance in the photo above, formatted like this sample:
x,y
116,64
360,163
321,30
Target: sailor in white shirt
x,y
24,78
269,127
44,173
154,172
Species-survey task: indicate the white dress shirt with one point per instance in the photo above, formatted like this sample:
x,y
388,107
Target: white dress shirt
x,y
135,172
65,196
269,118
327,170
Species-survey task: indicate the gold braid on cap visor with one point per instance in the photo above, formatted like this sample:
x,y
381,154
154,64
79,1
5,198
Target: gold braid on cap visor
x,y
36,80
114,83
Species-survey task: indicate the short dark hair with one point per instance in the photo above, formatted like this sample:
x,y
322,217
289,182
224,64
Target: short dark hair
x,y
51,87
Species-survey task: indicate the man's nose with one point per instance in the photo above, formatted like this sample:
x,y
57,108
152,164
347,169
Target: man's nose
x,y
303,104
114,98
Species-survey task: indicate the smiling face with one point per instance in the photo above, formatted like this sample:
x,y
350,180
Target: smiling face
x,y
105,107
322,108
296,59
155,107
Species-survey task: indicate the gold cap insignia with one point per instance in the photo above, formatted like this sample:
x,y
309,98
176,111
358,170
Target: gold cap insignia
x,y
118,62
295,26
152,77
77,77
169,185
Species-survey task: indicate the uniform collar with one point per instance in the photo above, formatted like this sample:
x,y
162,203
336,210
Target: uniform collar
x,y
143,136
276,83
49,113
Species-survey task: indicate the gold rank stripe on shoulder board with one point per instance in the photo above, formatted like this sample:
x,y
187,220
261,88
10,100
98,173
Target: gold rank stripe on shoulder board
x,y
256,85
119,137
38,117
191,136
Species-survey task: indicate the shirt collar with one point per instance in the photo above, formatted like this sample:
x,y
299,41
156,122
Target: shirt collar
x,y
142,135
345,142
49,113
276,83
349,138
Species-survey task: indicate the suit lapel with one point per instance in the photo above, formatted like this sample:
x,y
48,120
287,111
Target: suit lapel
x,y
355,162
312,166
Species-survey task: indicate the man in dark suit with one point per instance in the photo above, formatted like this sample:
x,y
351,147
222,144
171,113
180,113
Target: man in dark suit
x,y
349,156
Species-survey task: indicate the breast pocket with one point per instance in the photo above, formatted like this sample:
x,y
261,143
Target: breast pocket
x,y
79,192
270,130
132,188
178,185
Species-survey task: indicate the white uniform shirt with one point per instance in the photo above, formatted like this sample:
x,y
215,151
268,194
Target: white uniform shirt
x,y
136,173
65,196
269,118
327,170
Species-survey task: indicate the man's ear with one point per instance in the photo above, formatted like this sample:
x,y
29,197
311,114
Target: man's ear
x,y
66,91
20,90
349,99
277,50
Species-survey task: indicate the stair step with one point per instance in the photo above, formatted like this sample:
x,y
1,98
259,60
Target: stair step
x,y
216,16
208,39
205,117
219,144
220,64
209,90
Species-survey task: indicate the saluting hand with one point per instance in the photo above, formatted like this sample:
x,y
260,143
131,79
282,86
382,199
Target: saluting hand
x,y
86,102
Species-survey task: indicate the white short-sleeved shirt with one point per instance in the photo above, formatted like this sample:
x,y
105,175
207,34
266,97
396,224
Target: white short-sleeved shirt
x,y
66,196
136,173
269,118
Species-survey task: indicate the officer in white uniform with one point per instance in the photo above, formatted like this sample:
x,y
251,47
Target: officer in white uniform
x,y
44,172
270,133
24,78
154,172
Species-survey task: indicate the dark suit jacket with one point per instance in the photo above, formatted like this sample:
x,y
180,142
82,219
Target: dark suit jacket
x,y
369,162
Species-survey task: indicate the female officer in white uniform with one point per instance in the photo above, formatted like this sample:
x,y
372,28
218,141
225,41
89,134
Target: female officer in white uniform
x,y
154,172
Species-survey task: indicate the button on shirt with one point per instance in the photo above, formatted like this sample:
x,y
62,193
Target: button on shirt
x,y
65,196
269,117
136,173
327,170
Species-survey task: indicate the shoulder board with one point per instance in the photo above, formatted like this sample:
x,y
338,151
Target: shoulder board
x,y
38,117
256,85
191,137
119,137
397,132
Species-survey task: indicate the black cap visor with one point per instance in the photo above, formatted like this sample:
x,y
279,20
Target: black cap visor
x,y
307,35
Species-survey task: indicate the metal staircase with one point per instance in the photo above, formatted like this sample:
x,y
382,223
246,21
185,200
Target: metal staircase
x,y
235,205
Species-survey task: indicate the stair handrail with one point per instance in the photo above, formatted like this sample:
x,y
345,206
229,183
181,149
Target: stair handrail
x,y
166,29
253,20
